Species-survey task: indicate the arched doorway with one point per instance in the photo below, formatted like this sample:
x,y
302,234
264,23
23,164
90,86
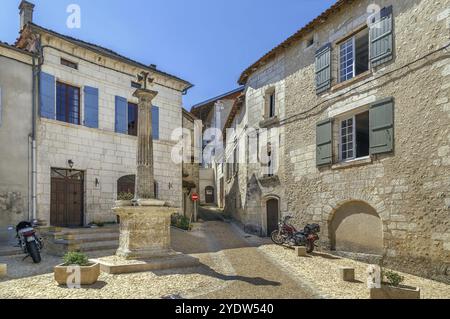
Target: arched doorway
x,y
273,215
356,227
209,195
126,184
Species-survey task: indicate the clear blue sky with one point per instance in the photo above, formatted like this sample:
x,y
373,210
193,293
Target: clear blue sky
x,y
207,42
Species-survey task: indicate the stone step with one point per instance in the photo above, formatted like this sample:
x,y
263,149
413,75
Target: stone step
x,y
83,231
96,246
10,251
87,238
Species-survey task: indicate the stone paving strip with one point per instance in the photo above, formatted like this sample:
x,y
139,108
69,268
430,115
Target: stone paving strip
x,y
321,271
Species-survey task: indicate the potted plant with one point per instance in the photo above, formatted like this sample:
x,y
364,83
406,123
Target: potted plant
x,y
392,288
124,199
76,261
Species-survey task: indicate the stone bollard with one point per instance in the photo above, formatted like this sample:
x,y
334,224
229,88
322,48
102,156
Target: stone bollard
x,y
347,274
3,270
300,251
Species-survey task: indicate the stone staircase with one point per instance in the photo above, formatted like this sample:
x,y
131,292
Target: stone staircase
x,y
59,241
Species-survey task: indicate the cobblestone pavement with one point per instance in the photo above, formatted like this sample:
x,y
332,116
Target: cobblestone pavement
x,y
251,274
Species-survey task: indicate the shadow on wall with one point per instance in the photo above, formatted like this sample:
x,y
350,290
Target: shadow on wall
x,y
356,227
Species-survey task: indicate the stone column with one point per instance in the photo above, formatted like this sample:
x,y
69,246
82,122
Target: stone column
x,y
145,226
145,187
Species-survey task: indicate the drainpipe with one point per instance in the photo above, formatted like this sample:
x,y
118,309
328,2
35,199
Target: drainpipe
x,y
33,144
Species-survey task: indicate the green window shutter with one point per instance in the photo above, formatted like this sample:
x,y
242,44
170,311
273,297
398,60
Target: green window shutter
x,y
382,37
323,69
324,142
382,126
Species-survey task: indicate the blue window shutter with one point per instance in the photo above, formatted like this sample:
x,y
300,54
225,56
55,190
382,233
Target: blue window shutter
x,y
91,107
155,122
121,115
47,95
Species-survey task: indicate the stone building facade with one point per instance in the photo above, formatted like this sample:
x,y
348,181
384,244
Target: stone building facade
x,y
365,130
89,151
191,161
15,136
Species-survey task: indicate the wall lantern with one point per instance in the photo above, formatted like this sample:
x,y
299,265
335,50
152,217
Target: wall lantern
x,y
97,182
70,162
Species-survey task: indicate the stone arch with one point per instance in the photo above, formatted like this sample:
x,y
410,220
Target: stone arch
x,y
126,184
355,226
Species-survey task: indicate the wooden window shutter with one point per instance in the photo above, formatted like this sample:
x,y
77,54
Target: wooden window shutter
x,y
381,37
323,69
155,122
121,120
324,142
91,107
47,88
382,126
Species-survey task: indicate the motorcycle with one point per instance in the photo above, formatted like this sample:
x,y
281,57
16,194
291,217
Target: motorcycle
x,y
285,232
307,237
29,241
288,235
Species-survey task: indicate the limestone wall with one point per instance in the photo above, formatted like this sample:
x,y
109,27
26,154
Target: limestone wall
x,y
15,128
409,188
101,153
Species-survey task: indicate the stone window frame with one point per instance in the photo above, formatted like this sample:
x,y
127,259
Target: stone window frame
x,y
267,103
337,136
80,101
337,84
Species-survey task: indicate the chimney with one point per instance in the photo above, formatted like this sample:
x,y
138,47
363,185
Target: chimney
x,y
26,13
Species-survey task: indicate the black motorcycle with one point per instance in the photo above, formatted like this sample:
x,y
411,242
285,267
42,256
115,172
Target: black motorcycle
x,y
307,237
29,241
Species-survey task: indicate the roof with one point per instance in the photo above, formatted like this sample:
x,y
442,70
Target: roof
x,y
205,107
291,40
189,115
107,52
11,47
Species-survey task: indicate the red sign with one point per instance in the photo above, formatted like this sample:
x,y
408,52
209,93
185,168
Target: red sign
x,y
195,197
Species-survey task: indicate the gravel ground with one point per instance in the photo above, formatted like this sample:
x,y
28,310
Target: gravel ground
x,y
234,265
321,271
27,280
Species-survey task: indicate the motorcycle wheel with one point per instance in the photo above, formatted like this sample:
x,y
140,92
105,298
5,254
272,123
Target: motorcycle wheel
x,y
277,238
310,246
34,252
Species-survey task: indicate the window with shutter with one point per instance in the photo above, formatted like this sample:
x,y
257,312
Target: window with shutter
x,y
121,116
155,122
47,88
324,143
323,68
91,107
382,126
381,37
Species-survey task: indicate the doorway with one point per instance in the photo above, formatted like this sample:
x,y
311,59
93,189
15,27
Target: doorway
x,y
209,195
67,198
272,215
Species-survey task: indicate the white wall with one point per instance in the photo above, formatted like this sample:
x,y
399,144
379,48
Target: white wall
x,y
101,152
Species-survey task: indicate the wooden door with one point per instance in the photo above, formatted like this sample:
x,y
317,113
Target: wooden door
x,y
272,215
67,198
